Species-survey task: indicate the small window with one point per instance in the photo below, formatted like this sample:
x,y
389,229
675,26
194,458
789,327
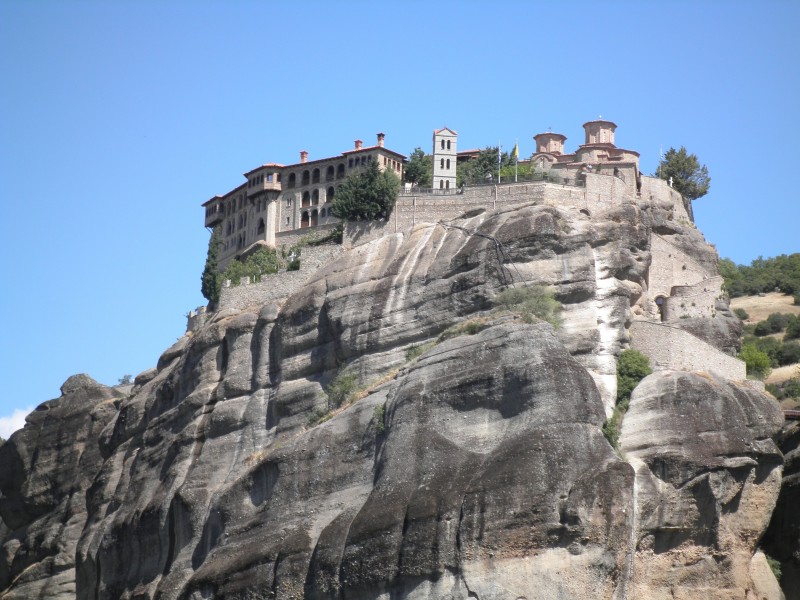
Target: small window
x,y
448,144
447,184
441,184
448,163
442,144
350,163
269,178
441,163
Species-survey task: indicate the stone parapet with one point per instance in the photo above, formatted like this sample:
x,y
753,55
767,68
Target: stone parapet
x,y
671,348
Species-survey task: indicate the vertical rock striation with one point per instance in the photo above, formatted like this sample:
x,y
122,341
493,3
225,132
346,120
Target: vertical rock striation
x,y
471,467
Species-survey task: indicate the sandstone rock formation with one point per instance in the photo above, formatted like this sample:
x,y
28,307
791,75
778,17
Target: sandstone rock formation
x,y
474,470
46,470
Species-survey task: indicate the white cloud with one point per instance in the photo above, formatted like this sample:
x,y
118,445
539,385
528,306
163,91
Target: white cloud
x,y
9,425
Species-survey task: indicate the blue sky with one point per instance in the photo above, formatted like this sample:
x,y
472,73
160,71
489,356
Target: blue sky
x,y
117,120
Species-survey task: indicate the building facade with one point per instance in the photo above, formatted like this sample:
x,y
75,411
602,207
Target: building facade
x,y
598,154
277,198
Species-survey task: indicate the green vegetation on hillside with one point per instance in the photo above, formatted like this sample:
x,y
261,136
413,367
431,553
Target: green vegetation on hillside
x,y
367,195
757,362
763,275
531,303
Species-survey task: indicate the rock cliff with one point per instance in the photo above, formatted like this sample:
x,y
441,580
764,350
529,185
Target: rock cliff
x,y
461,466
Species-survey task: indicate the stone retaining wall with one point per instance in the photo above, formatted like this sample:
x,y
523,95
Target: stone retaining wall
x,y
279,285
668,347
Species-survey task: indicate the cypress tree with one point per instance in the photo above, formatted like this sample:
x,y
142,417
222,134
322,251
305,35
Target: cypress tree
x,y
211,279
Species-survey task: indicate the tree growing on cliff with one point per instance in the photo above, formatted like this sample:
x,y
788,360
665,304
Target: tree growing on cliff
x,y
211,279
688,176
418,169
366,195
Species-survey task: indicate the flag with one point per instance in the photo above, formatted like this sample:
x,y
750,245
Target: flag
x,y
515,151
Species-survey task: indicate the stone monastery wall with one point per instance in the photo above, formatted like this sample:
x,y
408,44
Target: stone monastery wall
x,y
601,192
668,347
671,267
693,300
278,285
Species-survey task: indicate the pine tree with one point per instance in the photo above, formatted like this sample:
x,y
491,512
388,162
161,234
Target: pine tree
x,y
688,176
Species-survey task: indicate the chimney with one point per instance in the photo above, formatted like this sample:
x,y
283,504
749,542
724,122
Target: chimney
x,y
303,156
381,137
358,144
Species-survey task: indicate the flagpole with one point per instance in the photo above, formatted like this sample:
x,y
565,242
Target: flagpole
x,y
516,159
499,161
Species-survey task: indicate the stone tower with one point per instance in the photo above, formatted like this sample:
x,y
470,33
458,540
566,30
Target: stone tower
x,y
551,143
599,132
444,158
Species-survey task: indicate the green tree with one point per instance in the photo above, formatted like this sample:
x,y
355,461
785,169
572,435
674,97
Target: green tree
x,y
125,380
263,261
368,194
418,168
632,367
477,170
793,330
211,280
689,177
758,362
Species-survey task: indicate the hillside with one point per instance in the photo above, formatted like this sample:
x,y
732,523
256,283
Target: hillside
x,y
388,430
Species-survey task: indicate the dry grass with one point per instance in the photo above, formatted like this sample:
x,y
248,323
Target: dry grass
x,y
781,374
760,307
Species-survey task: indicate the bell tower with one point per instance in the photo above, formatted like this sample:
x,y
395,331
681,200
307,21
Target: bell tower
x,y
445,156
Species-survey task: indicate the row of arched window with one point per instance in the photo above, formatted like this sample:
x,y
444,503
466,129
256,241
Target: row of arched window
x,y
313,197
308,177
448,144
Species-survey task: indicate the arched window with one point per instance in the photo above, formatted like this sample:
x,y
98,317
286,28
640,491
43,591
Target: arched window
x,y
442,144
448,163
441,163
315,176
448,144
315,196
305,177
261,227
304,220
329,194
306,199
441,184
447,184
314,218
340,171
292,180
329,173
